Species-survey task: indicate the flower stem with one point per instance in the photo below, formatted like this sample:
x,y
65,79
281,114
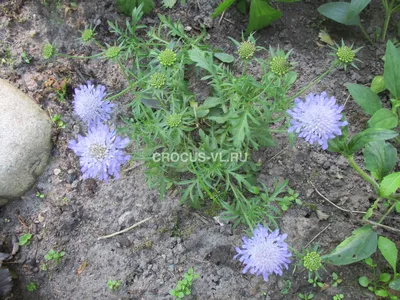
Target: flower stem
x,y
78,57
387,212
315,81
363,174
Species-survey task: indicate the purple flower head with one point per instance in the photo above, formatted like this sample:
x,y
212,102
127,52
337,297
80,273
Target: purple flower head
x,y
100,152
317,119
89,104
265,253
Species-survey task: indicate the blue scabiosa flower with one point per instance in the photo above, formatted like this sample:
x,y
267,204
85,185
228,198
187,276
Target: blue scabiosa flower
x,y
89,104
265,253
317,119
101,152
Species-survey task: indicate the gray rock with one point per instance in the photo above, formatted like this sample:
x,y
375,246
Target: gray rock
x,y
25,142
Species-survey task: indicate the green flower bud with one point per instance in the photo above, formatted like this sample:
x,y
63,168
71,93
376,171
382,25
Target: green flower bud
x,y
48,51
246,50
157,80
174,120
87,35
279,65
312,261
345,54
167,57
113,51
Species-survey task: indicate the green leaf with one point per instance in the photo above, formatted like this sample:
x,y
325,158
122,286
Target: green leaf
x,y
358,141
202,59
356,6
384,277
240,130
242,6
389,251
339,12
392,70
261,15
383,118
390,184
367,99
224,57
395,284
378,84
360,245
363,281
169,3
127,6
381,293
222,7
380,158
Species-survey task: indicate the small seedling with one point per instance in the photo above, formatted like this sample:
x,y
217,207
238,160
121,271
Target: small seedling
x,y
25,239
184,287
54,256
43,267
338,297
57,120
113,284
315,282
31,287
336,280
26,58
40,195
286,288
306,296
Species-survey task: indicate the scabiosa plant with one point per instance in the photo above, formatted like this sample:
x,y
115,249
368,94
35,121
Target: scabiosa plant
x,y
317,119
48,51
87,34
310,259
101,152
173,120
157,80
167,57
112,51
345,55
279,64
246,50
265,253
89,103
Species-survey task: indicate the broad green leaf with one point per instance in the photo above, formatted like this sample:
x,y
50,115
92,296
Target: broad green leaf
x,y
169,3
384,277
381,293
363,281
202,60
380,158
392,69
378,84
127,6
339,12
242,6
212,102
367,99
390,184
261,15
224,57
222,7
383,118
356,6
360,245
395,284
358,141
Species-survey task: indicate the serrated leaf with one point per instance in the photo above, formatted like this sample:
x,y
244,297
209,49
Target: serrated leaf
x,y
222,7
224,57
390,184
392,69
367,99
240,129
169,3
358,141
380,158
127,6
339,12
383,118
201,59
360,245
261,15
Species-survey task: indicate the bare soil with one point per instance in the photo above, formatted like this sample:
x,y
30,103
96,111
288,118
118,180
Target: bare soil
x,y
151,258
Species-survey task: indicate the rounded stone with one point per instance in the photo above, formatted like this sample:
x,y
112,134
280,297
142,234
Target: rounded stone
x,y
25,142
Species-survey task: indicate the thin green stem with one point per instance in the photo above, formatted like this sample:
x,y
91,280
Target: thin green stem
x,y
315,81
78,57
363,174
387,212
366,34
386,25
119,94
